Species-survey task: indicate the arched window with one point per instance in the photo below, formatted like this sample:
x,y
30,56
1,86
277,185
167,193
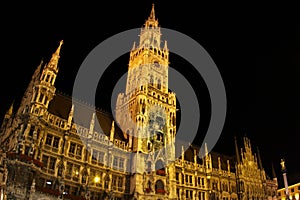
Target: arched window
x,y
159,84
159,187
151,80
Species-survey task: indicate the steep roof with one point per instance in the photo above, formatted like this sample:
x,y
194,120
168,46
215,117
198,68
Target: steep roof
x,y
223,159
61,105
189,156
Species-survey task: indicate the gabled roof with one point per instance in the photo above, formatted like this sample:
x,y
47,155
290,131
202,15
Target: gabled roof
x,y
61,105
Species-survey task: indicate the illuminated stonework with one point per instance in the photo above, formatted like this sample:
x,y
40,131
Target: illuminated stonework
x,y
294,191
46,155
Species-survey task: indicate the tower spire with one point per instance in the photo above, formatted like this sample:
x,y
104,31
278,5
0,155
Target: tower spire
x,y
152,14
237,151
152,22
55,57
273,172
70,117
259,159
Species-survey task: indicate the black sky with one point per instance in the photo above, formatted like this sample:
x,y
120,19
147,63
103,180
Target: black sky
x,y
256,48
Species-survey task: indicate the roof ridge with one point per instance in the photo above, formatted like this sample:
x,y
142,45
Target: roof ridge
x,y
82,102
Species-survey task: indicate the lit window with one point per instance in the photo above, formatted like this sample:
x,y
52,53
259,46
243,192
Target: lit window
x,y
120,182
121,163
45,160
79,150
115,162
49,163
72,148
98,156
52,163
49,139
56,142
101,157
95,155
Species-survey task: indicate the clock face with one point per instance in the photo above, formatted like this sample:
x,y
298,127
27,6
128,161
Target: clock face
x,y
157,118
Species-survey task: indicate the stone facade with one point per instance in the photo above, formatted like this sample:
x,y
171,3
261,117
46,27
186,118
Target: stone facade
x,y
48,152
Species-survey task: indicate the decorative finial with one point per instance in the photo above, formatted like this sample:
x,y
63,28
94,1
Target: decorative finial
x,y
10,110
112,131
282,163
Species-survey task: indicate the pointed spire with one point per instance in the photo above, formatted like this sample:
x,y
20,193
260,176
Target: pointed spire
x,y
59,47
37,72
237,151
112,131
228,166
9,112
92,124
259,159
133,47
152,22
206,150
71,114
27,97
152,14
182,153
165,45
219,163
55,57
195,156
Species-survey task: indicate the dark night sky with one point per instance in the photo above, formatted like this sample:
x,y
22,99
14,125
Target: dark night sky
x,y
256,48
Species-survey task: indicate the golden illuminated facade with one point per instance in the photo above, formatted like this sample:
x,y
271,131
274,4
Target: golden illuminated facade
x,y
47,154
294,192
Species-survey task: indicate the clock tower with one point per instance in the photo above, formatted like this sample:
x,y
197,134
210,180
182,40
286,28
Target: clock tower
x,y
146,113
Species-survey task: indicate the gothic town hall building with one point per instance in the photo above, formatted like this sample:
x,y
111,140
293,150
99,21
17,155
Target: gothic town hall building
x,y
46,154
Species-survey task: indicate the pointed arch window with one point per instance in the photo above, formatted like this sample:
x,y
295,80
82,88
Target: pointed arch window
x,y
159,84
151,80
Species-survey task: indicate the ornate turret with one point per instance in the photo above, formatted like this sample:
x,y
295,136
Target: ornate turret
x,y
44,89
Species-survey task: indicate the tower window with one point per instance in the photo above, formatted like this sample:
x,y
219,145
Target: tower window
x,y
46,99
151,80
31,131
159,84
41,98
47,77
